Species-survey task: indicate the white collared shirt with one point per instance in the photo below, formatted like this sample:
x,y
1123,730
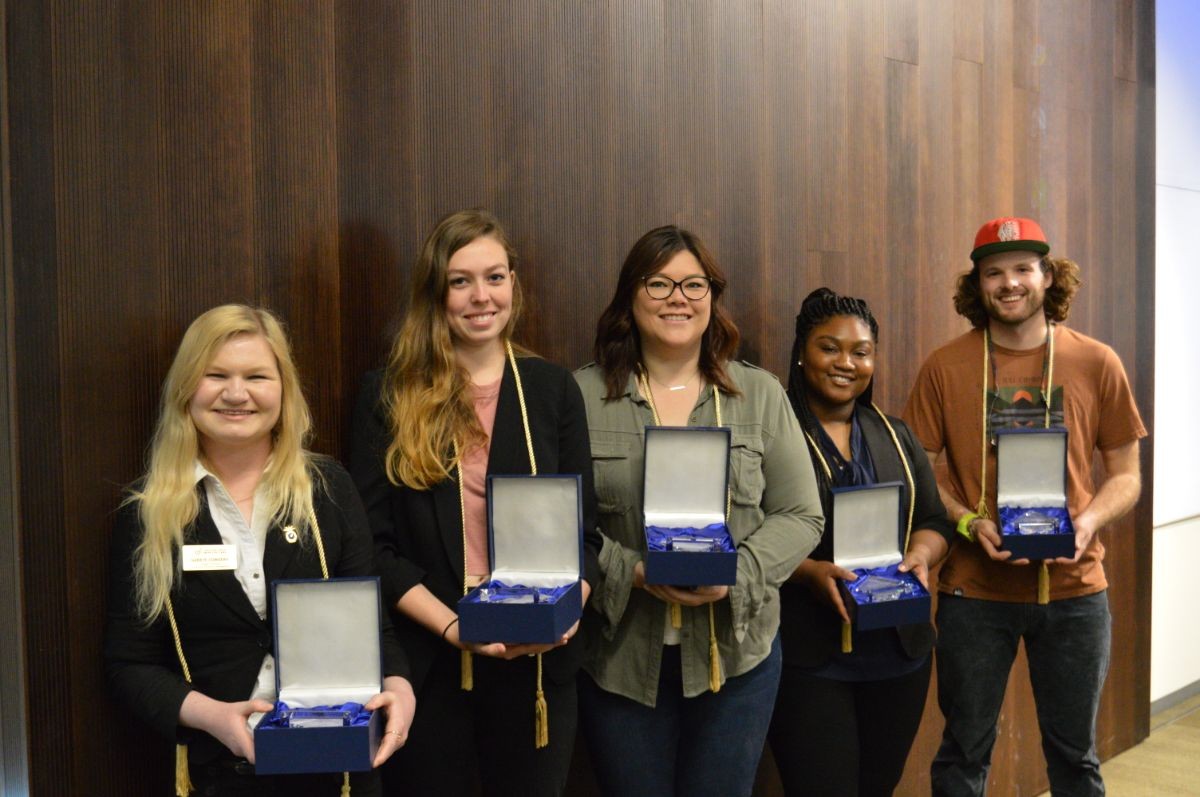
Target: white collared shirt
x,y
250,539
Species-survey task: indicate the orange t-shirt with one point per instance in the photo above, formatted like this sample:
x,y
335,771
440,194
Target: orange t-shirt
x,y
1089,394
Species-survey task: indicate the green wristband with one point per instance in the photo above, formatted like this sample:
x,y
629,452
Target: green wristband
x,y
964,526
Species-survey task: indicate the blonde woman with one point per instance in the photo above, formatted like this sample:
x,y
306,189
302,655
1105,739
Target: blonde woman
x,y
228,466
457,402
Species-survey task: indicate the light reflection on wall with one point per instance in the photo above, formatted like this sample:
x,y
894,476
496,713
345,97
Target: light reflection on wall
x,y
1175,641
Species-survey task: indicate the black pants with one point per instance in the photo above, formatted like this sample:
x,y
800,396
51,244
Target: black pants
x,y
845,738
484,736
232,777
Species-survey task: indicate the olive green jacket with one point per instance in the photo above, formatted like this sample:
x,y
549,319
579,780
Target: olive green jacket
x,y
775,521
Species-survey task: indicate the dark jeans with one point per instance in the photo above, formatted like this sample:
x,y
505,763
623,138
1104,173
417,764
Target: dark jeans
x,y
696,746
845,738
1067,644
482,741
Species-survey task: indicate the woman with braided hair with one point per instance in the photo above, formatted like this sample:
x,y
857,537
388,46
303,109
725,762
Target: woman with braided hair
x,y
844,721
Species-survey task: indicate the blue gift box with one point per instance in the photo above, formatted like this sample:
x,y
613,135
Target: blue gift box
x,y
535,541
685,490
1031,491
327,654
867,524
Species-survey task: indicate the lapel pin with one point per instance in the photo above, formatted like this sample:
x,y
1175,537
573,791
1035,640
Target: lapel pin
x,y
289,533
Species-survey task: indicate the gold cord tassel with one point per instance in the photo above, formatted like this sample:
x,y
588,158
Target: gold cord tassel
x,y
467,683
541,713
676,615
1044,584
183,777
714,654
847,638
345,784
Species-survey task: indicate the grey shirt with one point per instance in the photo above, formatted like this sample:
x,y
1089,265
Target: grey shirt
x,y
775,521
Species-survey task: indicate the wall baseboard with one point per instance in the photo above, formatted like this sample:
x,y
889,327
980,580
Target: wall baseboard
x,y
1174,699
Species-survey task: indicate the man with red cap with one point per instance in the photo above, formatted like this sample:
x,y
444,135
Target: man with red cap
x,y
1020,366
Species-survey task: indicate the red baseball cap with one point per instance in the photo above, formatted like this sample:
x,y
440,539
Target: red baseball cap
x,y
1006,234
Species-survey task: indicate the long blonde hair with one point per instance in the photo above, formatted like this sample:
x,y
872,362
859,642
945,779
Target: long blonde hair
x,y
167,499
425,391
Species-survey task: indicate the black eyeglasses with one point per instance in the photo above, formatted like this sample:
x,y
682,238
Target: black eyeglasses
x,y
695,287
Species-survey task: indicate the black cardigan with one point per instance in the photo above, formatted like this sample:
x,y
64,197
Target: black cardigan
x,y
810,629
223,638
418,533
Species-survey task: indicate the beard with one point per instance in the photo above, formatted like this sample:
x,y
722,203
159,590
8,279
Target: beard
x,y
1018,313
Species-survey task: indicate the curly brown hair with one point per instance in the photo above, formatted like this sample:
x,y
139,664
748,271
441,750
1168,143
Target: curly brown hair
x,y
618,344
1062,290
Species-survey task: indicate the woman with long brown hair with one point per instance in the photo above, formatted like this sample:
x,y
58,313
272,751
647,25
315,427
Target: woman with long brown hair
x,y
677,701
459,401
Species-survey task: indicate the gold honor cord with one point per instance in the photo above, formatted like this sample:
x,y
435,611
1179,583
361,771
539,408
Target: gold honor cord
x,y
312,518
847,629
1043,588
714,653
541,713
183,777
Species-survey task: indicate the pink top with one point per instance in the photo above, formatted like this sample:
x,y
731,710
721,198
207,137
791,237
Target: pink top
x,y
474,468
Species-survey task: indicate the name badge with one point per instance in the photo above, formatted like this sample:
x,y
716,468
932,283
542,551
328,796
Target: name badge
x,y
209,557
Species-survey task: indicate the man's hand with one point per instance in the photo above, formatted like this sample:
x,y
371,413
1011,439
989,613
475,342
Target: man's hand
x,y
988,537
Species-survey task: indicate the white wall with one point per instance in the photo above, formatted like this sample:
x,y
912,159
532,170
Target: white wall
x,y
1175,633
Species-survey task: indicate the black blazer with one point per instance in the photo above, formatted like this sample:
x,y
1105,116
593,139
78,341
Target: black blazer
x,y
809,629
418,533
224,640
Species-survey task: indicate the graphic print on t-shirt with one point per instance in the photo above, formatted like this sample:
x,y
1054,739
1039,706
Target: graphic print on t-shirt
x,y
1022,406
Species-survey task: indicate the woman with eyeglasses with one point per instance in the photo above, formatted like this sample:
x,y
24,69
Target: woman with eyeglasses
x,y
458,401
684,710
846,719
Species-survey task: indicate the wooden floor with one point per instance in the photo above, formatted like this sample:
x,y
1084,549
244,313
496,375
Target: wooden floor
x,y
1166,764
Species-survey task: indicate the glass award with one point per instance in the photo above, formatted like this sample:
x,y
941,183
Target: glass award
x,y
509,595
1032,521
876,588
316,718
693,544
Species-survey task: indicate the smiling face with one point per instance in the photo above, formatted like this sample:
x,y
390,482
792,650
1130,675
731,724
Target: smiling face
x,y
479,296
239,396
839,361
1012,286
676,323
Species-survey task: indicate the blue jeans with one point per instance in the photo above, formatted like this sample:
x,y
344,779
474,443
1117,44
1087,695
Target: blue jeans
x,y
1067,643
696,746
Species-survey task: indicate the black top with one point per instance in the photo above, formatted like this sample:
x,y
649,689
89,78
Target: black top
x,y
810,629
418,533
224,641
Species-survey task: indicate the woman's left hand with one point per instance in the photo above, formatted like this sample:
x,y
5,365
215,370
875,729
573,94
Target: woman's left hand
x,y
587,591
925,552
399,702
916,563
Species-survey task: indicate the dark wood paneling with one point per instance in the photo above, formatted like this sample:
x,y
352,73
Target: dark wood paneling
x,y
166,157
14,739
35,320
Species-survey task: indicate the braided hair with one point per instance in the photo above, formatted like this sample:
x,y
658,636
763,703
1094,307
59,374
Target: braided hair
x,y
817,308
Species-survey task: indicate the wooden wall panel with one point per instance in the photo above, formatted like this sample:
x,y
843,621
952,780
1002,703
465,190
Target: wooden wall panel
x,y
166,157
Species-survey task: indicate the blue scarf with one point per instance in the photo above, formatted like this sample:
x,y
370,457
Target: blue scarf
x,y
860,470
